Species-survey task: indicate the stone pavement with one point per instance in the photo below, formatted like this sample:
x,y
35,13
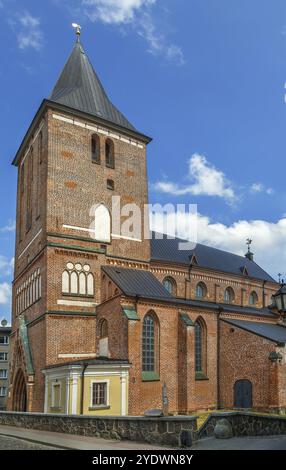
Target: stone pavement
x,y
69,441
12,443
242,443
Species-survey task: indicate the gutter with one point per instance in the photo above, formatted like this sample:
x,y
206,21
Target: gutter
x,y
218,358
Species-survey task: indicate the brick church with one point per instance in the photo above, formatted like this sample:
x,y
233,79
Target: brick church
x,y
104,324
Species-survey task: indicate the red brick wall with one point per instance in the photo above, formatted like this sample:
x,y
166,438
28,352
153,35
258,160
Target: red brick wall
x,y
244,356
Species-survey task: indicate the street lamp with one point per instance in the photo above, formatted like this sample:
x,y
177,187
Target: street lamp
x,y
280,299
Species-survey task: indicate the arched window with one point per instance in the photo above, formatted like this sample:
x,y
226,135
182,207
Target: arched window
x,y
74,283
229,295
150,344
253,298
90,284
103,339
95,149
82,283
200,346
77,280
109,154
170,285
101,225
65,282
103,329
201,290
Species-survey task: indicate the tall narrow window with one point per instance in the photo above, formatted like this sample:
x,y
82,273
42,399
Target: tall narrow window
x,y
29,191
21,192
200,346
95,149
109,154
39,173
253,298
150,344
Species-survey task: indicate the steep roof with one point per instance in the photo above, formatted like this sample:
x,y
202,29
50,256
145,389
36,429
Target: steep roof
x,y
139,283
143,284
79,87
165,249
276,333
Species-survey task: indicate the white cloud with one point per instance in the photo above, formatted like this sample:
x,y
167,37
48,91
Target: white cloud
x,y
157,42
10,227
205,180
29,33
269,238
115,11
6,266
260,188
5,293
137,14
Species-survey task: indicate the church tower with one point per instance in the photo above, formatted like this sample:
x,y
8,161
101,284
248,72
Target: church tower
x,y
78,154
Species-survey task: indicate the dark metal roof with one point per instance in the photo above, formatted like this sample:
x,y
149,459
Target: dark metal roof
x,y
276,333
143,284
139,283
79,87
165,249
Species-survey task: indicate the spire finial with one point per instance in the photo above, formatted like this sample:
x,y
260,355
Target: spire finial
x,y
249,254
248,242
77,27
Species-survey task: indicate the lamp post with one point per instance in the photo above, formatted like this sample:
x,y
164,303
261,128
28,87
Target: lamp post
x,y
280,300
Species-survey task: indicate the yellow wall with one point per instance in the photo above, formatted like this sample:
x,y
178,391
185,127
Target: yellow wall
x,y
114,408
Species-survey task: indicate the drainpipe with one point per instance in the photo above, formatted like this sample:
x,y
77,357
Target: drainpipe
x,y
82,388
218,357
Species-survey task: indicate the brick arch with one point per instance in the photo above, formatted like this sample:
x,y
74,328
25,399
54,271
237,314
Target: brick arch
x,y
19,401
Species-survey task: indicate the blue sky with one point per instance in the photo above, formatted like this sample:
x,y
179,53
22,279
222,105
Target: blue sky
x,y
204,78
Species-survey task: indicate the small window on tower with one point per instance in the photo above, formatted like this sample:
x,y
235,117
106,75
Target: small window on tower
x,y
95,149
110,185
109,154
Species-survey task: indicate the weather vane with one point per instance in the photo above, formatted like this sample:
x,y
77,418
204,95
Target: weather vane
x,y
77,27
248,242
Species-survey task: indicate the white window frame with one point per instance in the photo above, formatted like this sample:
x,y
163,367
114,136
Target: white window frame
x,y
1,392
4,376
5,355
56,384
107,383
7,340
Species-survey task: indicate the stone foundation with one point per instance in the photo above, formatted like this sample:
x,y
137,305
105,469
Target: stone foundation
x,y
245,424
170,431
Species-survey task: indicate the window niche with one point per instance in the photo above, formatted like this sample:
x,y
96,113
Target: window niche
x,y
77,280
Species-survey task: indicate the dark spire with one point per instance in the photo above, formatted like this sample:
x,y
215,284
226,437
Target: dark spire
x,y
79,87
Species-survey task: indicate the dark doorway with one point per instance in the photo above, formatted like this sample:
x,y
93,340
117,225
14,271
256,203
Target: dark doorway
x,y
20,392
243,394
